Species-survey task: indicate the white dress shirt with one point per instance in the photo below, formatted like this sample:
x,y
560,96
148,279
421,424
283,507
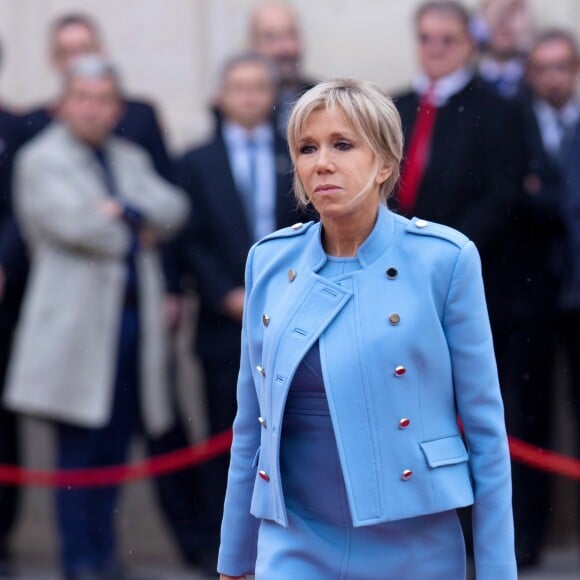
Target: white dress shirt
x,y
555,125
445,87
236,139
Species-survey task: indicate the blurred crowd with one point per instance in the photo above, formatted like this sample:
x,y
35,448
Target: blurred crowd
x,y
102,234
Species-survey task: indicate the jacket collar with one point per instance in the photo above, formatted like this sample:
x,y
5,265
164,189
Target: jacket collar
x,y
370,250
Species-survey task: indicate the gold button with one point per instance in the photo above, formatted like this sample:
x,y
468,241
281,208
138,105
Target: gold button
x,y
297,226
264,475
421,224
400,371
404,423
265,319
392,273
292,274
394,319
407,474
262,422
261,370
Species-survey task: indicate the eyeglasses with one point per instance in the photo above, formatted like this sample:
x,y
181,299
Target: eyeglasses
x,y
563,67
444,40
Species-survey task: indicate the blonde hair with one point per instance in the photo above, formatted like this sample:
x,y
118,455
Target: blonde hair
x,y
371,114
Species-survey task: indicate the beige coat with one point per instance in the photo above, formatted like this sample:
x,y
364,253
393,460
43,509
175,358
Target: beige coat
x,y
64,358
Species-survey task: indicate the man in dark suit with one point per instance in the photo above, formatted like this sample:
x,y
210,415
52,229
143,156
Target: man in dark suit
x,y
458,169
13,269
542,257
461,165
275,33
12,276
240,183
74,35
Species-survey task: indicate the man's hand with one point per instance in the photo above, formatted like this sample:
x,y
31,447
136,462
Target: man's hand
x,y
233,303
173,311
111,208
147,238
532,184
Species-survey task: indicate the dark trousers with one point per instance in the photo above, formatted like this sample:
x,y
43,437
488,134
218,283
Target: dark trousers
x,y
9,448
525,356
86,515
569,342
179,493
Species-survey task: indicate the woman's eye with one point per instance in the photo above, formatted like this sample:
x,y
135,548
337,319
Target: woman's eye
x,y
343,145
305,149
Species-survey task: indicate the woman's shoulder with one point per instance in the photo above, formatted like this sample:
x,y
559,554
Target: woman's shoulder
x,y
284,246
287,237
432,230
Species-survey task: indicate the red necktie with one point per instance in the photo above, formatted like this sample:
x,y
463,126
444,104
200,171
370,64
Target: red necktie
x,y
418,154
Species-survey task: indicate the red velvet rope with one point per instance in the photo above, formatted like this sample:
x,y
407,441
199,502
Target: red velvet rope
x,y
116,474
520,451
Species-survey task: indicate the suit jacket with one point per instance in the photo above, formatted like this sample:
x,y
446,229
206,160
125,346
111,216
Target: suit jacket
x,y
64,358
12,253
473,176
533,252
569,298
470,179
218,236
443,351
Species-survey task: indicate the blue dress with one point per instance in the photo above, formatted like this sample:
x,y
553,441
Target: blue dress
x,y
320,542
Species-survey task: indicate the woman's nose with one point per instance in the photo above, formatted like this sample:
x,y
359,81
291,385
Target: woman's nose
x,y
324,163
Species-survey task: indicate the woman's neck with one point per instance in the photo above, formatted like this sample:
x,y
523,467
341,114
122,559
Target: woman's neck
x,y
342,238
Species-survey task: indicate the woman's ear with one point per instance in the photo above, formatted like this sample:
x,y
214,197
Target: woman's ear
x,y
384,173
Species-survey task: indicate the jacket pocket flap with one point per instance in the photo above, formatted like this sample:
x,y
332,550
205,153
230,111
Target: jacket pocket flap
x,y
446,451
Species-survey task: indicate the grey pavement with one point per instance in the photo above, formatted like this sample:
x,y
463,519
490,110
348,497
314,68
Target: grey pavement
x,y
557,564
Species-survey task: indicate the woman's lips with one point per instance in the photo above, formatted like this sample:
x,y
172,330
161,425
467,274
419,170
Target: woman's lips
x,y
326,188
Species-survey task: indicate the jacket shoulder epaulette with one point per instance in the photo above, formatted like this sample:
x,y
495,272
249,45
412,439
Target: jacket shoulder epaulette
x,y
424,228
297,229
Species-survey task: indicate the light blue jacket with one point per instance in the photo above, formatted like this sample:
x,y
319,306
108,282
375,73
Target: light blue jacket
x,y
405,337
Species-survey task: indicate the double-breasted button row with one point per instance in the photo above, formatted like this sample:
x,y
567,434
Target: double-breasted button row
x,y
400,370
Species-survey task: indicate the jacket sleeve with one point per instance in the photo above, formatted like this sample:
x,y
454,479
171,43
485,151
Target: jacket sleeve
x,y
48,207
480,408
239,536
201,255
165,208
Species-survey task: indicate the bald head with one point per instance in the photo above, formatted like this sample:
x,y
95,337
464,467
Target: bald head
x,y
275,33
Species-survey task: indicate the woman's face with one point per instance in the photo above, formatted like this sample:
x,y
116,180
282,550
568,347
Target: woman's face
x,y
337,168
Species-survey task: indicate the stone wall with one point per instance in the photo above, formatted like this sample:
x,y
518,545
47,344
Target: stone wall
x,y
170,50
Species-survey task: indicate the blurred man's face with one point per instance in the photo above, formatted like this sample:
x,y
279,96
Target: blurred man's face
x,y
444,43
247,96
91,108
275,34
552,71
70,42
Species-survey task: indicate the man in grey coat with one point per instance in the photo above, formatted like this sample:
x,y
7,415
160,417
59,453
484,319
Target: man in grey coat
x,y
90,350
